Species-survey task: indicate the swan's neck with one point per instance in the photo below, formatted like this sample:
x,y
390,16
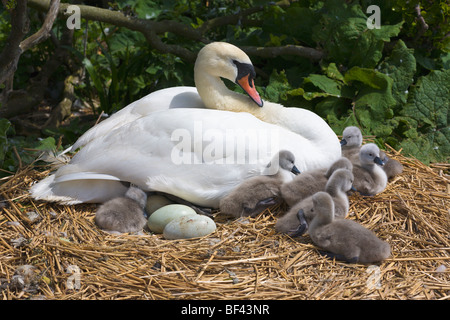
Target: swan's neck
x,y
305,123
216,95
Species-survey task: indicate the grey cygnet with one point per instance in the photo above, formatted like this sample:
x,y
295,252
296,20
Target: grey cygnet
x,y
345,239
123,214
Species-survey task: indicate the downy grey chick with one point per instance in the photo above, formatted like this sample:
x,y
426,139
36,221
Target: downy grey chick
x,y
370,178
351,145
308,183
296,221
255,194
123,214
344,239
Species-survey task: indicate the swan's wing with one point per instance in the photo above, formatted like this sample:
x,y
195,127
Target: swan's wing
x,y
77,191
175,97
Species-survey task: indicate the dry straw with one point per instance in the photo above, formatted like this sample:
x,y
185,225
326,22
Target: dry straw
x,y
243,259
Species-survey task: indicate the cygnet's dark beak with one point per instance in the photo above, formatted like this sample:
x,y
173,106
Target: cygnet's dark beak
x,y
302,227
385,160
295,170
353,188
378,161
267,202
260,206
343,142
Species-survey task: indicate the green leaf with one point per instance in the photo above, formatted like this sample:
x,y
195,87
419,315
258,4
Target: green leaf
x,y
430,100
343,32
428,110
278,86
48,143
296,92
401,67
333,72
324,83
96,80
373,100
369,77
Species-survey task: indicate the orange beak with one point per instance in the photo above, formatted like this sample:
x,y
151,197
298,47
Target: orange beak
x,y
247,84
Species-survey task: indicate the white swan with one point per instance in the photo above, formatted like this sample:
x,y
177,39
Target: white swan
x,y
135,145
215,61
196,154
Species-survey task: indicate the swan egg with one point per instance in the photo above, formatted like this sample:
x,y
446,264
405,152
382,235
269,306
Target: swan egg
x,y
189,227
155,202
158,219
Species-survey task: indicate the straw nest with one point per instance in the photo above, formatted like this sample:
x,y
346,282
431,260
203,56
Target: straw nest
x,y
70,258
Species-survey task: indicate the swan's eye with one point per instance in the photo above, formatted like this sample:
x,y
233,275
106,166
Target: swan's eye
x,y
244,70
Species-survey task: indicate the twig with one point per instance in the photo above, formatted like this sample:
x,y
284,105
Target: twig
x,y
17,156
11,52
423,25
271,52
44,32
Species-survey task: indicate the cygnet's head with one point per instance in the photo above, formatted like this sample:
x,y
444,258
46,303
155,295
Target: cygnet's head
x,y
370,154
324,207
341,163
351,137
285,160
137,195
224,60
341,179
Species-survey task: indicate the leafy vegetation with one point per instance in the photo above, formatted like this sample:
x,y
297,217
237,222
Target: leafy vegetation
x,y
393,82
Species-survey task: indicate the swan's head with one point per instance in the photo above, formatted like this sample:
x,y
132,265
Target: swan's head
x,y
224,60
370,154
351,137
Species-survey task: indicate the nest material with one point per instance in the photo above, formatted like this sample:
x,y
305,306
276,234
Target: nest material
x,y
242,259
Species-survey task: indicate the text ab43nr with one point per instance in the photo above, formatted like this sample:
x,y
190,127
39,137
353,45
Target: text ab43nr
x,y
228,309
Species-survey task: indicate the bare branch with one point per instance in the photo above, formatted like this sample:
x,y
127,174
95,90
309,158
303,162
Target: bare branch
x,y
11,52
10,56
151,29
44,31
271,52
422,23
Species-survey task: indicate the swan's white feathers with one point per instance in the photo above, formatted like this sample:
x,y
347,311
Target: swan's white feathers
x,y
170,98
143,142
142,153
